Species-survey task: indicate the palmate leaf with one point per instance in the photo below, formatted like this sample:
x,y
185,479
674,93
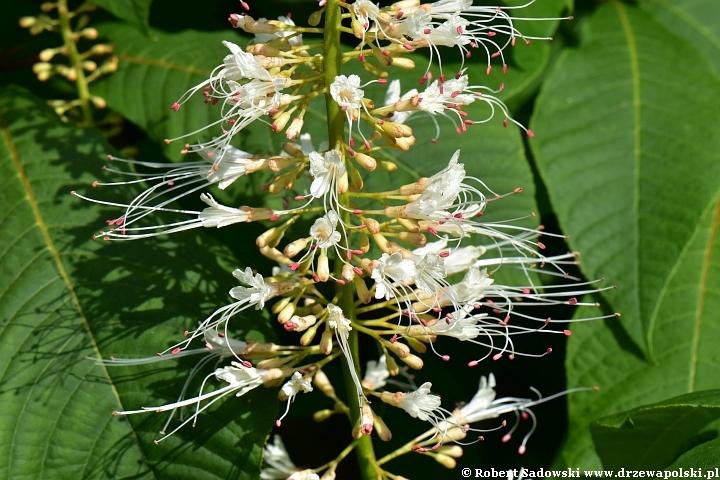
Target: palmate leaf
x,y
706,455
629,155
653,436
685,339
63,296
134,12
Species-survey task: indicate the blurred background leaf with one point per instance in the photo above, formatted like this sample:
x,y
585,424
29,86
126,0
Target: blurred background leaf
x,y
64,296
629,155
134,12
654,436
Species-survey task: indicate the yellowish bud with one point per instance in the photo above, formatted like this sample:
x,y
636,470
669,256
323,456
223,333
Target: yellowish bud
x,y
356,181
416,344
292,150
366,161
382,429
315,18
373,226
348,274
445,461
323,269
373,69
392,365
278,306
270,237
342,183
27,22
286,313
326,342
404,63
279,124
270,363
454,451
362,290
308,336
295,247
399,349
275,254
413,361
293,132
387,165
322,382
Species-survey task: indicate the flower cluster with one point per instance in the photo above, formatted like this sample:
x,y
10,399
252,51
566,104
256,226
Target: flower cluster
x,y
403,268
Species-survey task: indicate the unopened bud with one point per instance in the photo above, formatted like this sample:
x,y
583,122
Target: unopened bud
x,y
47,54
362,290
323,269
300,324
406,5
405,143
342,183
293,132
279,124
329,475
391,398
27,22
326,342
387,166
417,239
315,18
412,361
382,429
397,130
366,419
348,273
275,254
98,102
263,49
384,60
308,336
366,161
89,66
322,382
399,349
356,181
364,243
276,362
416,344
454,451
286,313
295,247
392,365
270,237
404,63
445,461
292,150
373,226
278,306
357,27
373,69
89,33
322,415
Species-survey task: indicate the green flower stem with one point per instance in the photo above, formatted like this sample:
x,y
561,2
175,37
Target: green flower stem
x,y
332,57
76,63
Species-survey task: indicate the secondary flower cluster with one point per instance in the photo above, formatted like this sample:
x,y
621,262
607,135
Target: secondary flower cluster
x,y
407,266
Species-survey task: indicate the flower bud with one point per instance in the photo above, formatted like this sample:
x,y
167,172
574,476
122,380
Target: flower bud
x,y
387,166
323,270
406,5
326,342
89,33
366,418
356,181
348,273
366,161
454,451
270,363
391,398
27,22
279,124
397,130
373,69
405,143
413,361
373,226
399,349
276,164
362,290
270,237
404,63
392,365
382,429
278,306
263,49
322,382
417,239
384,60
295,247
445,461
315,18
322,415
364,243
342,183
329,475
416,344
293,132
292,150
308,336
47,54
286,313
275,254
409,224
300,324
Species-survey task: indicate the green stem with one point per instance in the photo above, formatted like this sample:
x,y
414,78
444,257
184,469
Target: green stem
x,y
332,57
75,63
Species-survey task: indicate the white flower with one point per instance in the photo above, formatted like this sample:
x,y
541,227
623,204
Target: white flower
x,y
461,259
441,192
476,409
324,232
365,10
240,65
346,91
376,374
240,379
325,171
430,272
472,288
341,326
217,215
421,403
278,465
450,33
257,292
390,269
464,327
266,37
292,387
449,6
415,25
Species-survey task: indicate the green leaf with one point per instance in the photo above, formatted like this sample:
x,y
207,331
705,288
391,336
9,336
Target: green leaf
x,y
685,339
697,21
705,455
615,128
152,75
63,296
653,436
134,12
